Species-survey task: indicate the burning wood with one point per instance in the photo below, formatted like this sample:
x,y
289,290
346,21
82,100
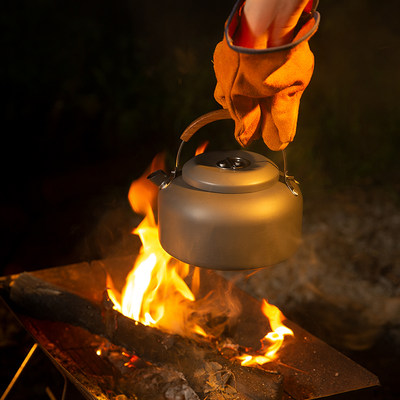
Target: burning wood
x,y
156,293
145,380
157,305
202,365
179,327
311,369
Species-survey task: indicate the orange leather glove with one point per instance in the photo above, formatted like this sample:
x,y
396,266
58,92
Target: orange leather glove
x,y
262,88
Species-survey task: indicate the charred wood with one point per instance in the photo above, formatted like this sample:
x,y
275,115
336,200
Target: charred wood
x,y
208,373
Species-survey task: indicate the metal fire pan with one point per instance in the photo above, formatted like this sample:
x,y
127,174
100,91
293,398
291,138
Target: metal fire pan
x,y
311,368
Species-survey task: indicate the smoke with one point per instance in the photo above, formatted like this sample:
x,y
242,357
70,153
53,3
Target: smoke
x,y
343,284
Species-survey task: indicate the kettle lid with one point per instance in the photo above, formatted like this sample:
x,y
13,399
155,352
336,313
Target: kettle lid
x,y
233,171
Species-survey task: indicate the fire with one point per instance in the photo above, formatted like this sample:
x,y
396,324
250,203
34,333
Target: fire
x,y
202,148
156,293
272,341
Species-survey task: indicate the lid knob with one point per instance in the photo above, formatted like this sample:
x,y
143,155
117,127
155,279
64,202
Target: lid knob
x,y
233,163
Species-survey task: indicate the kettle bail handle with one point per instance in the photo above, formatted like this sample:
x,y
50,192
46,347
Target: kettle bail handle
x,y
197,124
204,120
218,115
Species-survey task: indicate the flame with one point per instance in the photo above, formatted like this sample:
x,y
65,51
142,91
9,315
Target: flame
x,y
143,194
156,293
202,148
272,341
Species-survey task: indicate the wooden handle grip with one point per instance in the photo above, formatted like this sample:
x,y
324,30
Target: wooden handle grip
x,y
204,120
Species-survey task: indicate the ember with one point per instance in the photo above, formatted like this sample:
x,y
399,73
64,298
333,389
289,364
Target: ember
x,y
156,292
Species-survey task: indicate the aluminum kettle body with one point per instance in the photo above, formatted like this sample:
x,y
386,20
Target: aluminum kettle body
x,y
230,210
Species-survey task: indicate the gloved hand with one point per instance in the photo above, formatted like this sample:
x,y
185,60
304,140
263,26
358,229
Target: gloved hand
x,y
262,88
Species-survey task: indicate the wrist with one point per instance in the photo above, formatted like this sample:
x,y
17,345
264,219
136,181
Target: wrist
x,y
241,38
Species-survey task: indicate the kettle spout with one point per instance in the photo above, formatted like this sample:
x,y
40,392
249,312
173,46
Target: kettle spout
x,y
159,178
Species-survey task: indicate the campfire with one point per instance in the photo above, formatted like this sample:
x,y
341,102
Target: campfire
x,y
156,293
157,328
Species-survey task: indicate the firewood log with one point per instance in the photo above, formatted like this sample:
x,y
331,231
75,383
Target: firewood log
x,y
208,373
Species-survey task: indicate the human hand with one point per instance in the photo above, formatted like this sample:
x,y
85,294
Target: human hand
x,y
268,23
261,85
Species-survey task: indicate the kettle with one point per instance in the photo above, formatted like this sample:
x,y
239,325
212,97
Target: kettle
x,y
228,210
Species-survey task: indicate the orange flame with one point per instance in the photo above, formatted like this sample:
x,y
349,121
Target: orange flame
x,y
272,341
202,148
142,193
156,293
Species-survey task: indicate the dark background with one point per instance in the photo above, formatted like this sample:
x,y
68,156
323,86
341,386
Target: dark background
x,y
91,91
